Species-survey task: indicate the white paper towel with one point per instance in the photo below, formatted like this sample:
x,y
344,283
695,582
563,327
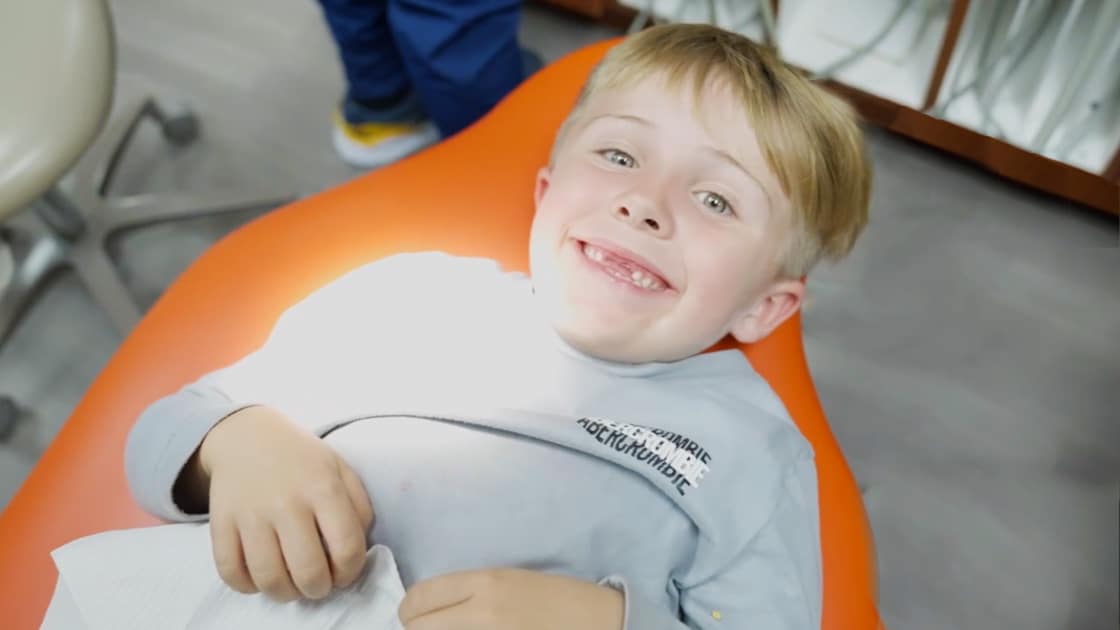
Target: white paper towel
x,y
164,577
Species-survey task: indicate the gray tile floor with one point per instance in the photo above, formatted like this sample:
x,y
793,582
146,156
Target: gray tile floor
x,y
966,352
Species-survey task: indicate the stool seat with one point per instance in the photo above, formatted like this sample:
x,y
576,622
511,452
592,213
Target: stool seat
x,y
53,54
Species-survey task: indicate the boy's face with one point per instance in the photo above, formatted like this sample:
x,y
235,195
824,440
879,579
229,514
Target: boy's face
x,y
657,231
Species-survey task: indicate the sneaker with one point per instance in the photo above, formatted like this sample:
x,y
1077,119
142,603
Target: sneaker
x,y
373,144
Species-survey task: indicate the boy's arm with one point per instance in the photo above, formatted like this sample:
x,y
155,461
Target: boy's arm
x,y
304,349
191,492
161,462
774,583
327,335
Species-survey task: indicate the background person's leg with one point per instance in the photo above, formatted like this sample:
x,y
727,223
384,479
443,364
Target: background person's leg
x,y
373,68
380,118
462,55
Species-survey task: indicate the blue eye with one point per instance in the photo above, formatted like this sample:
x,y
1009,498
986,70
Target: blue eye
x,y
715,202
619,157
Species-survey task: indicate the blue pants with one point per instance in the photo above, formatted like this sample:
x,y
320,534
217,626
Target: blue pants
x,y
457,58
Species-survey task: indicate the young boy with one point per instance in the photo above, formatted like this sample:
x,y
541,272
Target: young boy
x,y
566,450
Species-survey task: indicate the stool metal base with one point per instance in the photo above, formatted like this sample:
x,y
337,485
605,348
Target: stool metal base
x,y
80,222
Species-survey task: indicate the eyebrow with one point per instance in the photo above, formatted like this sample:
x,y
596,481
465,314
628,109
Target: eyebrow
x,y
627,117
730,159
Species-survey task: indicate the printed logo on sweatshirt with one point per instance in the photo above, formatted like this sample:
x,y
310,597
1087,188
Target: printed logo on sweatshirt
x,y
675,456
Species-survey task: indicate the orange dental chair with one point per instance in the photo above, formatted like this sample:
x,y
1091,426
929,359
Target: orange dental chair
x,y
470,196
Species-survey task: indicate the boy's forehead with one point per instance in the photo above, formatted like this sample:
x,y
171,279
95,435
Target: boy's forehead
x,y
713,108
657,89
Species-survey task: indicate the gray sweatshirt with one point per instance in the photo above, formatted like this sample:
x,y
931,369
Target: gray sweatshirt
x,y
484,440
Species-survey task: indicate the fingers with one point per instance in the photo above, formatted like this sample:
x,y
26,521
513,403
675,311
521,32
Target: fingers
x,y
265,562
291,535
229,557
358,495
344,535
303,553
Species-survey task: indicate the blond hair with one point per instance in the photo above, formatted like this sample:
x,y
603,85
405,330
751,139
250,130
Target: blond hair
x,y
809,138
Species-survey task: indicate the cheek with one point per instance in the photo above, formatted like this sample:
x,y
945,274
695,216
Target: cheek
x,y
552,210
710,299
580,189
717,276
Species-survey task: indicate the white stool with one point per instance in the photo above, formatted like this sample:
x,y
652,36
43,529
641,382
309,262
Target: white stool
x,y
58,68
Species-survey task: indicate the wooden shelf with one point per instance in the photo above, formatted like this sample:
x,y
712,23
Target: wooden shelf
x,y
815,35
998,156
1112,173
1038,92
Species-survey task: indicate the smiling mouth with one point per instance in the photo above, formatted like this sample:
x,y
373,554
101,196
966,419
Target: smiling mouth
x,y
624,269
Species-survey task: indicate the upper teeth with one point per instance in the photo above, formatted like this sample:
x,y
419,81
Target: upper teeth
x,y
637,277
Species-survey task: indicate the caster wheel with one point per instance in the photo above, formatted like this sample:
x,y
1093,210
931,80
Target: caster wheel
x,y
180,129
9,413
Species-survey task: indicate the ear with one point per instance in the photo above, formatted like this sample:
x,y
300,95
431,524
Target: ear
x,y
544,176
777,304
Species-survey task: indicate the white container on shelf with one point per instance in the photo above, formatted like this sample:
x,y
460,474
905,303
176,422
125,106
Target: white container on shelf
x,y
1037,94
815,34
1091,137
1085,126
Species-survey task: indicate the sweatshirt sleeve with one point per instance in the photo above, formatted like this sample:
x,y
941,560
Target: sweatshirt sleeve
x,y
164,437
312,353
774,583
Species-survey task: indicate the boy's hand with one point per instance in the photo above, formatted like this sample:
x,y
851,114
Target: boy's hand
x,y
288,515
510,599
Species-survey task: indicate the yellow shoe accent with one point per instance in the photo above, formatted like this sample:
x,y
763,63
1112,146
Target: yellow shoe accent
x,y
370,145
372,133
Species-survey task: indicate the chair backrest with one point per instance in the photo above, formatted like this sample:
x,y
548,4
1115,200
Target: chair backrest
x,y
56,77
471,196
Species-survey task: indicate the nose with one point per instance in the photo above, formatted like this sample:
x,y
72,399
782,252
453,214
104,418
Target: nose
x,y
644,216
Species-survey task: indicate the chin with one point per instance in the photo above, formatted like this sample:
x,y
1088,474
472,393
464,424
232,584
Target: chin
x,y
608,345
593,340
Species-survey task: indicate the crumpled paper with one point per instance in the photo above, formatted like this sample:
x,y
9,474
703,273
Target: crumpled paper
x,y
164,577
